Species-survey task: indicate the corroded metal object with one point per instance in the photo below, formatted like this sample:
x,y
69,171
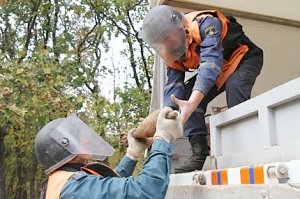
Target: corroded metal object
x,y
147,127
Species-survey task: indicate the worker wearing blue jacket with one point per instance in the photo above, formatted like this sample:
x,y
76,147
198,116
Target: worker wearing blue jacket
x,y
223,57
66,148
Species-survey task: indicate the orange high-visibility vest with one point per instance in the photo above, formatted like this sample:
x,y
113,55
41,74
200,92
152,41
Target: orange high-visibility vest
x,y
194,40
56,182
58,178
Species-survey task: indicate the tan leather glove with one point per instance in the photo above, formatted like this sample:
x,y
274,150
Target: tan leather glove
x,y
135,146
168,129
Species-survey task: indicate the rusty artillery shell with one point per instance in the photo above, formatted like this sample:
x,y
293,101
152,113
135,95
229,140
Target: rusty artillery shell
x,y
147,127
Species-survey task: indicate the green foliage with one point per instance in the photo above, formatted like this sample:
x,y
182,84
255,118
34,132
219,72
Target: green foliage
x,y
51,65
31,96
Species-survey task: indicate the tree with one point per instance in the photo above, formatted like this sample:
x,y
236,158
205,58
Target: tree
x,y
2,163
51,65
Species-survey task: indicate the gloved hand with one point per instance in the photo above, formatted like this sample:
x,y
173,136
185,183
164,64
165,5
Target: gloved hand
x,y
135,146
168,129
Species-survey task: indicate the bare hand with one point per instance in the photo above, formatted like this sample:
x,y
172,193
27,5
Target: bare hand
x,y
186,108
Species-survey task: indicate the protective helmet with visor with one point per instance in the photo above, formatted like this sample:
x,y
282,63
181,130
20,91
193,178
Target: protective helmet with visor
x,y
163,30
63,139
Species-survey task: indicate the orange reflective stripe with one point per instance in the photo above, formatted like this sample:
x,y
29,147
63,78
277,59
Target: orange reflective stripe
x,y
214,177
259,174
219,177
252,175
241,175
245,177
224,176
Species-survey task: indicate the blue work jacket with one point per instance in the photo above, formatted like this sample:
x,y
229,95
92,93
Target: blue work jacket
x,y
211,53
151,183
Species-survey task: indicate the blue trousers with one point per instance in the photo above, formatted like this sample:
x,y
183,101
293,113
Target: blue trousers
x,y
237,87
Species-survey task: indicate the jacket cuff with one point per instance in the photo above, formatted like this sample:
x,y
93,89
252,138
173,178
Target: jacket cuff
x,y
163,146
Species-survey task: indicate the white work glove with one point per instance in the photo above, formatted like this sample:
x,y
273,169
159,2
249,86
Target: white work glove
x,y
168,129
135,146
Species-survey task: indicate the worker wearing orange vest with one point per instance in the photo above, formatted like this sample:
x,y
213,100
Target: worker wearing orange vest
x,y
66,146
222,55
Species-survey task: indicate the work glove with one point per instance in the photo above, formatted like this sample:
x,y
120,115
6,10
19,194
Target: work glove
x,y
136,146
168,129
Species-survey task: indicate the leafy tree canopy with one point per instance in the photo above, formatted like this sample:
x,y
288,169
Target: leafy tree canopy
x,y
51,54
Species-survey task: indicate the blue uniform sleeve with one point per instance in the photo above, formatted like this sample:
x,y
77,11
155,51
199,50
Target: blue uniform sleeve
x,y
175,85
126,167
211,54
152,182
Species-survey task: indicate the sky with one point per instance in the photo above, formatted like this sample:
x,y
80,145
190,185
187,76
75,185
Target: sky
x,y
116,62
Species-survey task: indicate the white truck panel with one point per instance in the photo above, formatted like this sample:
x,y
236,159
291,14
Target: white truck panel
x,y
260,129
255,151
